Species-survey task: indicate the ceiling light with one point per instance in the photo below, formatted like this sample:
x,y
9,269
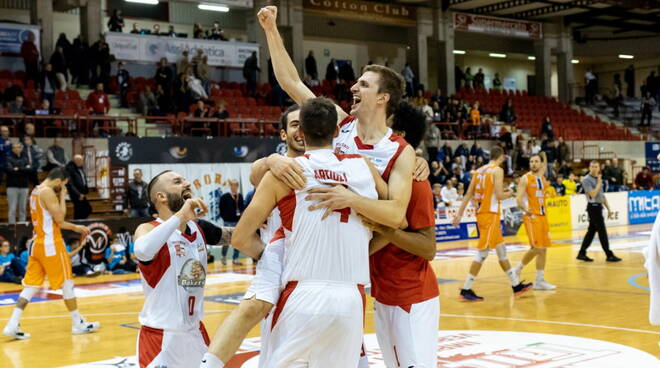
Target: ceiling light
x,y
622,56
575,61
501,56
149,2
531,58
218,8
459,52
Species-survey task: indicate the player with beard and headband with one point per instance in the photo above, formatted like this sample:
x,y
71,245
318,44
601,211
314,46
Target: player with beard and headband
x,y
48,255
171,253
264,290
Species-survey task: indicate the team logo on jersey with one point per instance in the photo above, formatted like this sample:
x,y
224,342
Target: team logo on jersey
x,y
192,275
124,151
179,249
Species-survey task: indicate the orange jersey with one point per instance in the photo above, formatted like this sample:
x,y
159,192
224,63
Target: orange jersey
x,y
475,117
46,232
484,191
534,195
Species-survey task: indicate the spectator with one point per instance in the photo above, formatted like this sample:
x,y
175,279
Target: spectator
x,y
346,72
546,128
11,269
471,163
332,70
507,114
46,109
616,97
122,80
565,169
475,119
201,111
462,151
648,104
116,21
217,33
432,141
479,79
136,29
78,264
460,189
497,82
16,107
570,185
5,150
171,32
409,77
419,100
98,101
137,198
155,30
181,93
613,175
77,188
644,179
49,83
105,62
445,153
147,103
197,91
30,54
310,66
204,72
17,183
468,77
164,75
164,101
28,130
198,31
459,78
250,69
56,157
196,60
449,194
440,99
435,174
183,64
94,55
79,63
118,261
33,154
535,148
563,151
58,61
629,77
559,186
437,196
231,208
590,86
476,150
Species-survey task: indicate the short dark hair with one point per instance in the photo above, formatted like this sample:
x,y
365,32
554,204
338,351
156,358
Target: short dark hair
x,y
318,121
284,119
411,121
153,183
390,82
58,173
594,162
496,153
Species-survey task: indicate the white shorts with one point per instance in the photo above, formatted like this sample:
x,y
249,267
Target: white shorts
x,y
267,282
171,349
317,324
408,339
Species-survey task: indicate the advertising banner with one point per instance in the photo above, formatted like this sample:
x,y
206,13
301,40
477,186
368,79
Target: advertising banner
x,y
370,11
652,150
12,36
148,48
133,150
445,231
643,206
618,202
498,26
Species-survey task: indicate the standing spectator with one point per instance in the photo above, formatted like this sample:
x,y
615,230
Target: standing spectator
x,y
164,101
310,66
181,93
195,86
105,63
563,151
450,194
170,31
136,195
49,83
17,183
217,33
77,188
432,141
30,54
250,69
616,97
198,31
508,114
479,79
98,101
440,99
56,156
648,104
33,154
147,103
475,119
231,208
332,70
590,86
204,73
122,80
79,67
59,63
468,77
116,21
497,82
183,64
459,78
644,179
409,77
629,77
5,150
164,75
93,56
196,60
11,269
346,72
546,128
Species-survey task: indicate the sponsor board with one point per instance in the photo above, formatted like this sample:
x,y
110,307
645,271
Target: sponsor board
x,y
445,231
618,202
652,150
643,206
498,26
12,36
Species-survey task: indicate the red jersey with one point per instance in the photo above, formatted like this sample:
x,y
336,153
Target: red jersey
x,y
398,277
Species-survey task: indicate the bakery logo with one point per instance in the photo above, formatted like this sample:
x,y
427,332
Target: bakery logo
x,y
192,275
124,151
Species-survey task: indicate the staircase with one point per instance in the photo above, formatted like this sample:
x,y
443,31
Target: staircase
x,y
629,115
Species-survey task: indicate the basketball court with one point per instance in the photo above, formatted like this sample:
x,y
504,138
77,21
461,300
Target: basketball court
x,y
596,318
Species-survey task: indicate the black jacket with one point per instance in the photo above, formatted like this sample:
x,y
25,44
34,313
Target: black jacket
x,y
310,67
137,195
58,61
77,184
17,171
229,207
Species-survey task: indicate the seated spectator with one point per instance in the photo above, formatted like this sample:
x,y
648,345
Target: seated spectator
x,y
46,109
419,100
156,30
55,156
462,151
171,32
476,150
445,152
438,113
565,169
163,101
437,195
449,194
570,185
16,107
116,21
195,85
471,163
436,173
546,128
644,179
497,82
535,148
11,269
460,189
439,98
201,111
558,184
136,29
217,33
507,114
458,163
33,153
221,110
164,75
198,31
117,259
147,103
78,264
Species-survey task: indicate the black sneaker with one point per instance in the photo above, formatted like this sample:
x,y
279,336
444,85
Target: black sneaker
x,y
583,257
613,258
521,288
468,295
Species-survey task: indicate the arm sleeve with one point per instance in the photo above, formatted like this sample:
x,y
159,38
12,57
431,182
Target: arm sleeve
x,y
212,233
587,186
148,245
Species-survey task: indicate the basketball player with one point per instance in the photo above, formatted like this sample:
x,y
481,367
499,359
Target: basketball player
x,y
48,255
172,259
531,194
487,189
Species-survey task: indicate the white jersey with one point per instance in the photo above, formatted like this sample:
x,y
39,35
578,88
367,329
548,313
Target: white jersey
x,y
272,224
383,154
173,282
334,249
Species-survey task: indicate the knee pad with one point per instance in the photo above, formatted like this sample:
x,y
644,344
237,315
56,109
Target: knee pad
x,y
28,292
501,252
481,255
67,289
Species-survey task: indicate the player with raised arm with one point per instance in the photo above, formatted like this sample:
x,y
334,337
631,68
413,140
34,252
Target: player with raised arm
x,y
487,190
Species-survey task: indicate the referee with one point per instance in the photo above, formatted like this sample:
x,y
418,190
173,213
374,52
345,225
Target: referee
x,y
593,188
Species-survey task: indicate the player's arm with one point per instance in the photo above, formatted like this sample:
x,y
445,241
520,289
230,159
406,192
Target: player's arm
x,y
78,249
215,235
467,198
381,185
245,237
286,169
522,186
54,206
500,192
258,169
284,68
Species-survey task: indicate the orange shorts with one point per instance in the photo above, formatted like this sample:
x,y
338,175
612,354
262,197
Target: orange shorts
x,y
490,234
56,267
538,231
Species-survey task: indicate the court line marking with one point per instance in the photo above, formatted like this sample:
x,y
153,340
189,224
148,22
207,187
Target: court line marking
x,y
632,280
104,314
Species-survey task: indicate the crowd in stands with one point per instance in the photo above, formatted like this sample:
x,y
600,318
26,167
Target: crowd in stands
x,y
116,24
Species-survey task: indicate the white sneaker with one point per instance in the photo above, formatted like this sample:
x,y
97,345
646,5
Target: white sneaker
x,y
543,285
84,327
518,271
16,333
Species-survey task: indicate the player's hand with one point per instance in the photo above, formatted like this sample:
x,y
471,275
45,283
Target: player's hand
x,y
422,169
609,213
82,230
192,209
456,221
373,226
268,17
334,198
287,170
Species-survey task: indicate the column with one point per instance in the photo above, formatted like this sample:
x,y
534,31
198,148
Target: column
x,y
424,30
543,67
565,66
41,13
91,21
444,35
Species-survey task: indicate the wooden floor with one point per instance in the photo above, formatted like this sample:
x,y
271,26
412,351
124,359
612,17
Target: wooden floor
x,y
596,300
